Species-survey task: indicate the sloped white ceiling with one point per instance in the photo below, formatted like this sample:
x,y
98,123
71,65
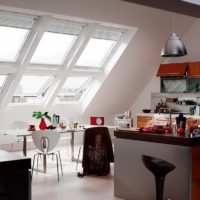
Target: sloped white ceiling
x,y
140,60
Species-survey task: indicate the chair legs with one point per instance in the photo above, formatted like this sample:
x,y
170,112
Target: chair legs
x,y
58,162
57,166
79,152
38,155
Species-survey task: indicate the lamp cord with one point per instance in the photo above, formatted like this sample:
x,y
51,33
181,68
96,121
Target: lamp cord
x,y
173,23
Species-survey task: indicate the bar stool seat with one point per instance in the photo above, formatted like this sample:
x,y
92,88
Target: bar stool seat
x,y
160,168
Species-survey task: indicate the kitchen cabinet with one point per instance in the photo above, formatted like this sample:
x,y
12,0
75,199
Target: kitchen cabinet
x,y
195,173
172,70
194,69
143,121
180,77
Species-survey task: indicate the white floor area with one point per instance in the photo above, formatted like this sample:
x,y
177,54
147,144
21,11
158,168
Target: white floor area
x,y
46,186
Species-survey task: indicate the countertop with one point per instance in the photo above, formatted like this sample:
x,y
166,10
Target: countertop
x,y
174,139
8,160
173,115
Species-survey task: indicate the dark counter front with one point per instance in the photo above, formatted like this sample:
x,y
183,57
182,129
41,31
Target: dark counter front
x,y
174,139
15,176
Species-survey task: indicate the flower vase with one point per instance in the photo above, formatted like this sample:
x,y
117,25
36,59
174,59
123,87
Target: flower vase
x,y
42,124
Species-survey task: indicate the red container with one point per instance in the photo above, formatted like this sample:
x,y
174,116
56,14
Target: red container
x,y
42,124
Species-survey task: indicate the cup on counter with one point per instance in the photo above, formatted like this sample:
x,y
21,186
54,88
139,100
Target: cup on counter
x,y
75,125
174,131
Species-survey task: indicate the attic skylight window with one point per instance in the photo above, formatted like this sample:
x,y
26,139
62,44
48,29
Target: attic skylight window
x,y
32,89
14,30
3,79
98,49
56,43
73,88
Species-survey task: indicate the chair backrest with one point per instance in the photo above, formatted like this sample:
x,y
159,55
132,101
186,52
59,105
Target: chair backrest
x,y
7,139
19,125
91,134
97,151
45,140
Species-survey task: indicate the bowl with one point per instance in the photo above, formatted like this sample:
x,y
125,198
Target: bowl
x,y
146,110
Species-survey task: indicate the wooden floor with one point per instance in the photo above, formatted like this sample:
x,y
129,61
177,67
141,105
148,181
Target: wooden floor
x,y
46,186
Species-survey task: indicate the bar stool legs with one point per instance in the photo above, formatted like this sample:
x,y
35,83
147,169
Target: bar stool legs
x,y
160,168
159,187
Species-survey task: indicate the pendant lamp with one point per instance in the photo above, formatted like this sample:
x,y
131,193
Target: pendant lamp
x,y
174,47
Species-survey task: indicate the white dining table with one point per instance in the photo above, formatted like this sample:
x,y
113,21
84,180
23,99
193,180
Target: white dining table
x,y
22,133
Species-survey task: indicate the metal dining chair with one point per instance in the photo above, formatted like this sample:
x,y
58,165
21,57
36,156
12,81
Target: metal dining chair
x,y
6,140
19,125
46,141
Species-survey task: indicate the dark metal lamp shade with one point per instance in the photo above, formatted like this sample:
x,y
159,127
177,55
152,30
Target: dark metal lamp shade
x,y
174,47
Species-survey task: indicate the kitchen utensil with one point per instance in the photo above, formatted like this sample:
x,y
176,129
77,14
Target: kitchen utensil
x,y
146,110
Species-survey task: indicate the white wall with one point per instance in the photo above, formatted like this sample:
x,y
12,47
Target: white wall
x,y
143,101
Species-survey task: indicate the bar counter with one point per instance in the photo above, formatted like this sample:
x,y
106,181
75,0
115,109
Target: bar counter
x,y
174,139
133,181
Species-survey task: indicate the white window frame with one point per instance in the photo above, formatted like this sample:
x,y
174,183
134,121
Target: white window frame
x,y
5,82
78,96
68,52
68,69
108,57
35,18
48,86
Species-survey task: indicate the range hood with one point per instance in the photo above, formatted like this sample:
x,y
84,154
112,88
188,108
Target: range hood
x,y
179,70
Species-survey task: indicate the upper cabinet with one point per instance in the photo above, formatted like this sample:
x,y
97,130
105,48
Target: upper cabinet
x,y
171,70
194,69
179,69
180,77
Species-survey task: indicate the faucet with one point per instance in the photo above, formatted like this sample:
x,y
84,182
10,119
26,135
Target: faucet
x,y
170,114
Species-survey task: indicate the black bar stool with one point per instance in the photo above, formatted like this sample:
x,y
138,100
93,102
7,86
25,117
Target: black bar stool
x,y
160,168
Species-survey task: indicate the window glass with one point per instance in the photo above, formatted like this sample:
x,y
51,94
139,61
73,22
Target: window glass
x,y
98,48
193,85
2,81
55,44
14,30
32,89
73,88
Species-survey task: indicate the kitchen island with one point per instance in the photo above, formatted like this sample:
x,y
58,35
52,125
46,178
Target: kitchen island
x,y
133,181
